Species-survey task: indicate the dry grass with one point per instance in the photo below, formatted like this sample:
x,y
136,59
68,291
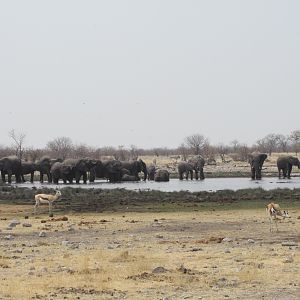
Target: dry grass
x,y
118,259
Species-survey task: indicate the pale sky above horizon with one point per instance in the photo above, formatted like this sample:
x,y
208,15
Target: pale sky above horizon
x,y
149,73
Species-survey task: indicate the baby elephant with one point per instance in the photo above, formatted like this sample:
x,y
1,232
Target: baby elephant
x,y
161,175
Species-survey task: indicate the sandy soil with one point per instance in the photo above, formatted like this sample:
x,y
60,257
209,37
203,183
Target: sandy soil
x,y
176,255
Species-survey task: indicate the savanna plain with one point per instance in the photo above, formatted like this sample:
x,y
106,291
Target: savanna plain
x,y
105,244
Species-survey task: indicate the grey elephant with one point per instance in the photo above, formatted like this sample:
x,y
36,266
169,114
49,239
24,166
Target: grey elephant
x,y
28,168
198,162
10,165
44,167
256,161
195,164
151,172
61,171
78,168
162,175
111,170
128,177
285,164
135,167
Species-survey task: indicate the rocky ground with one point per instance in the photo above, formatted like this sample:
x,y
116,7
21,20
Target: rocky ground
x,y
209,254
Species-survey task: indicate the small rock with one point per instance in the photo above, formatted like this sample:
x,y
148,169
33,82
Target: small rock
x,y
32,268
65,243
26,225
288,259
14,223
30,273
9,237
250,241
42,234
159,270
227,239
159,236
227,251
8,228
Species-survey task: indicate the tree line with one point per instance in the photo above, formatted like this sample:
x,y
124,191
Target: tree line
x,y
195,144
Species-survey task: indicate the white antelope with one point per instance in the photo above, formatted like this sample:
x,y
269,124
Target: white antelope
x,y
46,198
273,211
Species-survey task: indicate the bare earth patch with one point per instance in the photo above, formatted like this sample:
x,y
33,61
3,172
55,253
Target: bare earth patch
x,y
176,255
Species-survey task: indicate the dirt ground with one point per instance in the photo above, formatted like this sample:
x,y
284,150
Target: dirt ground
x,y
148,255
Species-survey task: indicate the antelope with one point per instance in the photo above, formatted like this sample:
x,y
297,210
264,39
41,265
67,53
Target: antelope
x,y
273,211
46,198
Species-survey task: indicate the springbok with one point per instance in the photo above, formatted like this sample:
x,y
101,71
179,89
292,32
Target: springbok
x,y
273,211
46,198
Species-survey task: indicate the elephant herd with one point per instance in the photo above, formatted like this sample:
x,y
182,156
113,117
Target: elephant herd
x,y
284,165
116,171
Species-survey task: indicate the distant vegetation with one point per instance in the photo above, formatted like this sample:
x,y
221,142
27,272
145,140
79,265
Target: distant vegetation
x,y
64,147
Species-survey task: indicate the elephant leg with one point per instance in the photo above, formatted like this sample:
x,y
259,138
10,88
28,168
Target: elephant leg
x,y
202,174
31,177
196,175
191,172
180,176
23,179
77,177
289,172
84,177
3,176
41,177
49,176
9,174
252,173
258,176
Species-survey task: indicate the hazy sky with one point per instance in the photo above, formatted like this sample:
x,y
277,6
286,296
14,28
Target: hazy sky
x,y
149,73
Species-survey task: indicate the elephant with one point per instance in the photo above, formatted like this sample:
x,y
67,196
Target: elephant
x,y
77,168
151,172
61,171
11,165
28,168
44,167
112,170
162,175
195,164
198,162
256,161
128,177
134,167
285,164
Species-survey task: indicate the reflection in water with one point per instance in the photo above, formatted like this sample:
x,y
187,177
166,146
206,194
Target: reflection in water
x,y
209,184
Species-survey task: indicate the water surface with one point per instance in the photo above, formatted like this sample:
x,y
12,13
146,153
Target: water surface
x,y
209,184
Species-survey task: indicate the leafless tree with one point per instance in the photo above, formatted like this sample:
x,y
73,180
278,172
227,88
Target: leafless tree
x,y
61,146
295,138
269,143
19,139
283,142
196,142
235,144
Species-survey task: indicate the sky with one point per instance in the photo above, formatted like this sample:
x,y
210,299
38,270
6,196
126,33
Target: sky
x,y
148,73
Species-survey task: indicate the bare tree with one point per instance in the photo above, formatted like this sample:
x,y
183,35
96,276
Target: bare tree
x,y
61,146
295,138
268,143
283,142
19,139
235,144
196,142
